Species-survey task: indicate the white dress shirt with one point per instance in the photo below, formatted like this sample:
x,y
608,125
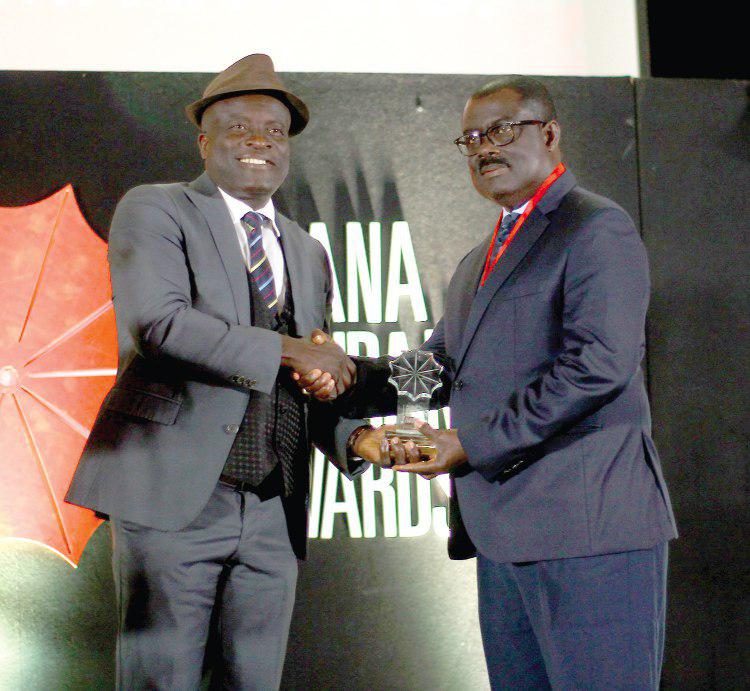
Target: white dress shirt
x,y
518,209
269,233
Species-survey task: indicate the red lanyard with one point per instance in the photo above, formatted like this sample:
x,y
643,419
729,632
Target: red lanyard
x,y
489,263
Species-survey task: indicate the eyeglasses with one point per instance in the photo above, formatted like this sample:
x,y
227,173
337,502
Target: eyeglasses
x,y
500,134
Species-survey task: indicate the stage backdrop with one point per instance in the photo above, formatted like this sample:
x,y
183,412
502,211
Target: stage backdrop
x,y
377,179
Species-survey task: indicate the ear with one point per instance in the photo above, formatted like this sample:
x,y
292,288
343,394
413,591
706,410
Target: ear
x,y
552,134
202,144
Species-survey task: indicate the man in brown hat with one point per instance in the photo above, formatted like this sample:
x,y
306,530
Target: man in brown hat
x,y
200,452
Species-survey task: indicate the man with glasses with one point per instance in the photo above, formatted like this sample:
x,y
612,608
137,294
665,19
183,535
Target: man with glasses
x,y
558,483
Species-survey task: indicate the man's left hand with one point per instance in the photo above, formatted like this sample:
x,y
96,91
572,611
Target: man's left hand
x,y
448,454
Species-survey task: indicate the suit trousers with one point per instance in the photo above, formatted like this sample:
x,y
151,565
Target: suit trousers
x,y
582,623
232,571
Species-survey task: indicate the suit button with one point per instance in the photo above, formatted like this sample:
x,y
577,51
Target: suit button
x,y
458,384
231,429
240,380
251,383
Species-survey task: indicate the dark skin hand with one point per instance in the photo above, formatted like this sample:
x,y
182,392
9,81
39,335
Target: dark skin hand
x,y
448,454
319,382
303,356
375,447
372,444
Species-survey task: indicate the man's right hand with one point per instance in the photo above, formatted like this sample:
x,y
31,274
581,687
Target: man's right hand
x,y
320,360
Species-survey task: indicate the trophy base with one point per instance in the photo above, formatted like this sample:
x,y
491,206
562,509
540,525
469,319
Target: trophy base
x,y
407,432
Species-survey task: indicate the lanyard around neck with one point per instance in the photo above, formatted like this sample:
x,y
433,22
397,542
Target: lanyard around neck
x,y
489,263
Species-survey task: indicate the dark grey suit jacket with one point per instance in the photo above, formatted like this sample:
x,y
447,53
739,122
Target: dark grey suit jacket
x,y
546,389
188,355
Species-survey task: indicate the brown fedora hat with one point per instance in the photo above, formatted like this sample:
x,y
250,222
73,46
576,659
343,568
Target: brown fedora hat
x,y
252,74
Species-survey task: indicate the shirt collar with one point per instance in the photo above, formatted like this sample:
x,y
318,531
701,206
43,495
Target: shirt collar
x,y
519,209
238,208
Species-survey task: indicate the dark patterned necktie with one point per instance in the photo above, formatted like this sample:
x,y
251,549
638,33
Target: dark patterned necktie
x,y
506,225
260,268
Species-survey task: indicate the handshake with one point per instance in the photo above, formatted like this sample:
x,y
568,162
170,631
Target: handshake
x,y
323,370
320,367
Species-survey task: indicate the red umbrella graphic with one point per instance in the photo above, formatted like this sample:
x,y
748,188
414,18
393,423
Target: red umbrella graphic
x,y
58,358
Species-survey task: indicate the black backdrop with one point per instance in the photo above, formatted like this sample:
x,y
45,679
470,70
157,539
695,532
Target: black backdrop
x,y
674,154
694,161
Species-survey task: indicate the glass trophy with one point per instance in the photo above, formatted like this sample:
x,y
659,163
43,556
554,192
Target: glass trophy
x,y
416,376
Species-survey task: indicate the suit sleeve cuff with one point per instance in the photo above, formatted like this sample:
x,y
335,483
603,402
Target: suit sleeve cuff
x,y
261,372
350,467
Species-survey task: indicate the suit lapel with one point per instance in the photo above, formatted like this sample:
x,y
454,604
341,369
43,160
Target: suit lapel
x,y
207,198
526,238
464,283
296,268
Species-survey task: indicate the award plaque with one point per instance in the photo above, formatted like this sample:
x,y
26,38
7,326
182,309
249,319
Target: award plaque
x,y
416,376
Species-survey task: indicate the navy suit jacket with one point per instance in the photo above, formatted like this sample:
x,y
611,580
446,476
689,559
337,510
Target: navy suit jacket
x,y
546,389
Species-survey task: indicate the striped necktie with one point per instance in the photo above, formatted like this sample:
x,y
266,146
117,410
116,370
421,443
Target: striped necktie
x,y
506,225
260,267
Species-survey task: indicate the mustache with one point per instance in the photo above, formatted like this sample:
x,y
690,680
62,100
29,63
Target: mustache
x,y
492,160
